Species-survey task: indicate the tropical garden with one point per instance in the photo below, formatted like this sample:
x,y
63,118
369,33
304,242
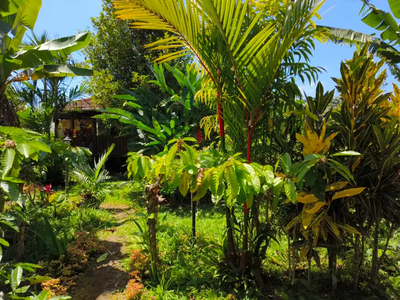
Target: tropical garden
x,y
236,184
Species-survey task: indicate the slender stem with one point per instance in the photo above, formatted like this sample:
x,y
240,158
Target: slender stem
x,y
193,218
392,228
221,124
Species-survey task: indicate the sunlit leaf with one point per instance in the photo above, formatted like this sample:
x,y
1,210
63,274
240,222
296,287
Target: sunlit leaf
x,y
316,207
348,193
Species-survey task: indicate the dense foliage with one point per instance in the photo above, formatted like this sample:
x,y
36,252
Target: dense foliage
x,y
236,186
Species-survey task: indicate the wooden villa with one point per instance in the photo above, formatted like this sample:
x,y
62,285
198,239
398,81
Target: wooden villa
x,y
77,122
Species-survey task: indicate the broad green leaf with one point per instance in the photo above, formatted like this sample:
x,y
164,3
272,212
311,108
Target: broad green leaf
x,y
102,257
38,279
299,113
254,179
190,139
4,243
249,201
125,97
15,131
25,149
7,161
290,190
342,170
395,7
202,190
286,163
373,19
12,190
15,278
40,146
303,171
50,71
167,130
276,189
184,184
153,143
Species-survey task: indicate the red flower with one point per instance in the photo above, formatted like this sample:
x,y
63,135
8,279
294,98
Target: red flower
x,y
48,188
199,137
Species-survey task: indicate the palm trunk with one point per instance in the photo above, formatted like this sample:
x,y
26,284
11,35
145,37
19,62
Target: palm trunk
x,y
231,253
221,123
244,259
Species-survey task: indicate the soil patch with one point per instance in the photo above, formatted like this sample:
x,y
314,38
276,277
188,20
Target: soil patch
x,y
107,279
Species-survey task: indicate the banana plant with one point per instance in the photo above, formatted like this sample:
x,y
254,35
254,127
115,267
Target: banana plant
x,y
158,122
30,62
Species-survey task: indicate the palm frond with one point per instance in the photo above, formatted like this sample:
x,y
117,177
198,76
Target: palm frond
x,y
102,160
376,45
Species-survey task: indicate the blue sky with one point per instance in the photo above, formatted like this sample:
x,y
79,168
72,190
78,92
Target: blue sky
x,y
61,18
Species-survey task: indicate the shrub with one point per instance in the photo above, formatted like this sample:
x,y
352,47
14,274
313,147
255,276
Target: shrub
x,y
139,263
134,290
54,287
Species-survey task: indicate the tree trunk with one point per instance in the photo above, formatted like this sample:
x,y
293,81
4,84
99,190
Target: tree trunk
x,y
2,200
21,242
356,262
151,192
289,254
56,109
8,115
309,269
221,123
231,252
333,267
375,259
244,259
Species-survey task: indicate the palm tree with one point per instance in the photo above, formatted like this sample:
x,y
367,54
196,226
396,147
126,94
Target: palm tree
x,y
239,46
